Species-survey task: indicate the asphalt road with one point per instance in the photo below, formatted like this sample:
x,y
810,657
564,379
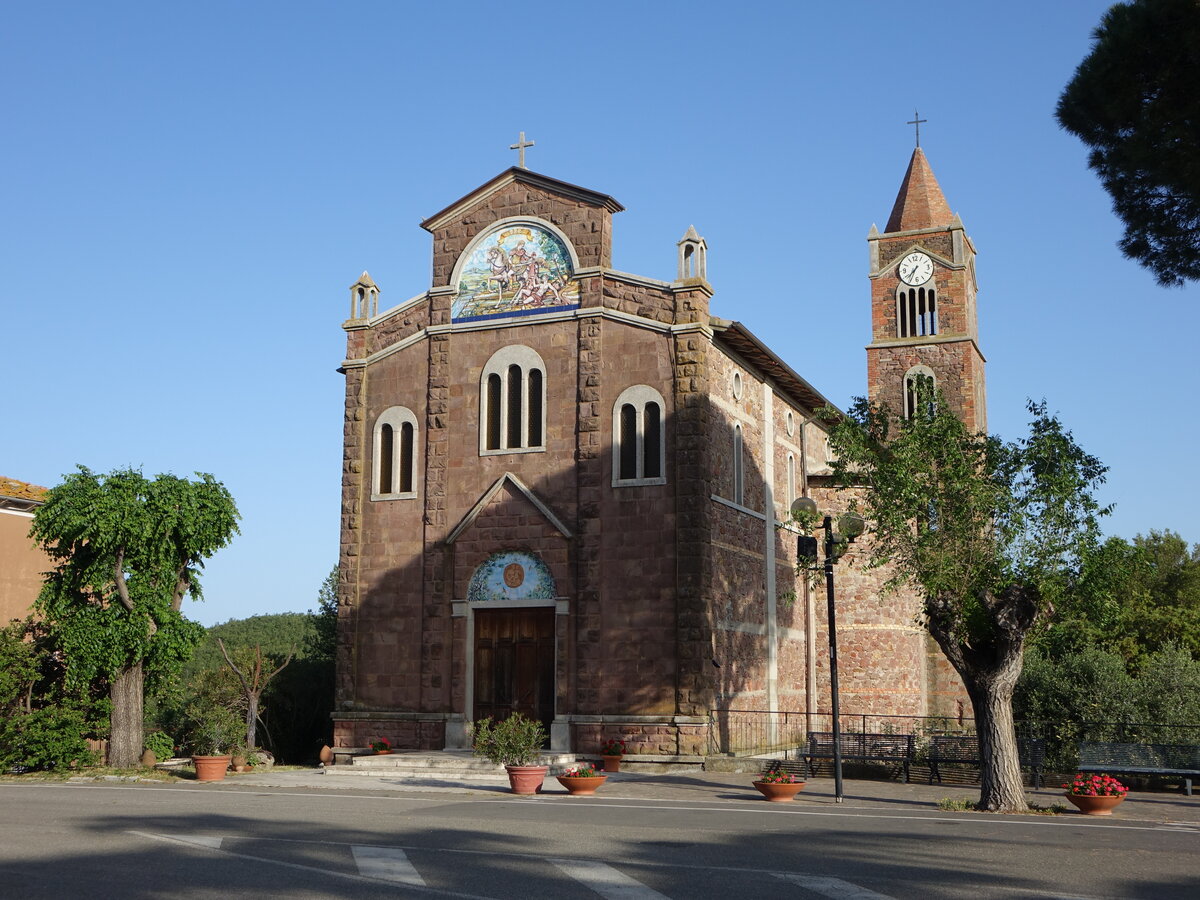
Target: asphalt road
x,y
217,841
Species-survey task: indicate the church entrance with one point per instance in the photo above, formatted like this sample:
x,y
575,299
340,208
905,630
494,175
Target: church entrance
x,y
514,663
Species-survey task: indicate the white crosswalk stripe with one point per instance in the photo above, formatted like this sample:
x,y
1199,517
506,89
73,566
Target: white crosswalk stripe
x,y
200,840
386,864
834,888
606,881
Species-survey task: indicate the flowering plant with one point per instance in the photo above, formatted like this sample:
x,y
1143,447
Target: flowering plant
x,y
778,776
381,744
583,770
613,747
1095,786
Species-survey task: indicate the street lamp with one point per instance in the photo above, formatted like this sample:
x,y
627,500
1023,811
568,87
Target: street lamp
x,y
850,526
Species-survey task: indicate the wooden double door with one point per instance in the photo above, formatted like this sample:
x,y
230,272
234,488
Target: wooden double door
x,y
514,663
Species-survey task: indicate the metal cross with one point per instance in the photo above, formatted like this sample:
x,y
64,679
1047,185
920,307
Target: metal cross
x,y
917,120
520,145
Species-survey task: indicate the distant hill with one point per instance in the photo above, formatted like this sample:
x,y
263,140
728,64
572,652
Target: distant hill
x,y
277,634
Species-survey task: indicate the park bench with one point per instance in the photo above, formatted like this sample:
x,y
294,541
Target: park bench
x,y
861,747
1112,758
964,749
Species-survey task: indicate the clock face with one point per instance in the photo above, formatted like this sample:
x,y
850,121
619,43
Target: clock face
x,y
916,268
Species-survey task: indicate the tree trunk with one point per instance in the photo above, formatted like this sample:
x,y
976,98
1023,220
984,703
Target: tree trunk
x,y
1000,785
126,722
251,721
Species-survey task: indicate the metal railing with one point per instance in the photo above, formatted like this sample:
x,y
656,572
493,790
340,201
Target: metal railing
x,y
756,732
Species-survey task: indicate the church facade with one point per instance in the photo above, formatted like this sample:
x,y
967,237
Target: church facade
x,y
566,487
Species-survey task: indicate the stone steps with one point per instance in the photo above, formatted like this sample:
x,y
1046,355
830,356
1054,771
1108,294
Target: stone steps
x,y
446,767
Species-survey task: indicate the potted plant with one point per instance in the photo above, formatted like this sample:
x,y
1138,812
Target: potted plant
x,y
215,729
514,743
382,746
612,750
778,786
1095,795
581,780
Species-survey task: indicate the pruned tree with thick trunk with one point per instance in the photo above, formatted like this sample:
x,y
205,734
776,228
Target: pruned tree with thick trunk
x,y
987,533
126,551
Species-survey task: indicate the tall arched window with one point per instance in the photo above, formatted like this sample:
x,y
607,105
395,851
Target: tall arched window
x,y
739,471
512,401
916,311
912,380
791,481
394,466
639,432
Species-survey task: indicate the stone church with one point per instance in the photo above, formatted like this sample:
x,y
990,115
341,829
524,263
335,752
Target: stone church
x,y
564,486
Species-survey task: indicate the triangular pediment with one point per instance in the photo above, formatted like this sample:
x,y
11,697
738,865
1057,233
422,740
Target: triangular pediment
x,y
520,176
515,485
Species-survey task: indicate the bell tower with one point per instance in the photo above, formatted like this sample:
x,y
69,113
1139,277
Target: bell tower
x,y
923,313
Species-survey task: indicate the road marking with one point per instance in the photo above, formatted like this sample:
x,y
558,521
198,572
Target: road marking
x,y
386,864
751,807
200,840
172,839
606,881
834,888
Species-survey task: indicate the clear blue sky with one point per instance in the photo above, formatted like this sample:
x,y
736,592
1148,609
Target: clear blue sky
x,y
189,190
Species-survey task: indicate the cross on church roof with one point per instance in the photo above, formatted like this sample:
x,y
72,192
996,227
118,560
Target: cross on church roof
x,y
916,120
520,145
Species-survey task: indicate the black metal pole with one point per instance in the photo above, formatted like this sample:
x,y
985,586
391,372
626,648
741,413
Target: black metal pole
x,y
833,666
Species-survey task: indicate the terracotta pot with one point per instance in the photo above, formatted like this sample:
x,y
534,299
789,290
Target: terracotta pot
x,y
382,752
210,768
526,780
581,785
326,754
612,764
779,793
1094,806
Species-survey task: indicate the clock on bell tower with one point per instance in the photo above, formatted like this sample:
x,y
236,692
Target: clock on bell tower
x,y
923,314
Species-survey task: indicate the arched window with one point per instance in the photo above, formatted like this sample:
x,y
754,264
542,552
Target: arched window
x,y
912,382
916,311
739,473
639,432
512,400
394,467
791,481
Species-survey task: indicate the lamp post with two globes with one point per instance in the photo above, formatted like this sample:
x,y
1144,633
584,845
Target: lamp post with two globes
x,y
850,526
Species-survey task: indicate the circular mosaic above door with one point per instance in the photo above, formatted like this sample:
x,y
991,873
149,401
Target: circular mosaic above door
x,y
511,575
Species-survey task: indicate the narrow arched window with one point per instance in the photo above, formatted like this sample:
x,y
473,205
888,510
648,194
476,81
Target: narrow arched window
x,y
387,449
394,455
407,436
916,312
639,433
739,478
512,401
919,382
492,407
791,481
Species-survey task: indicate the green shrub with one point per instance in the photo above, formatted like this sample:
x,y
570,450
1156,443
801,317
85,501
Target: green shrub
x,y
50,738
514,742
160,744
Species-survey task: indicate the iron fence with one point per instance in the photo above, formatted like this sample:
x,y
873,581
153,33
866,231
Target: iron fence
x,y
755,732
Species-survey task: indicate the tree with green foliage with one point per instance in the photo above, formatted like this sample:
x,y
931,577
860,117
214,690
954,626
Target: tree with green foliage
x,y
987,533
126,551
1132,598
323,643
1134,102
